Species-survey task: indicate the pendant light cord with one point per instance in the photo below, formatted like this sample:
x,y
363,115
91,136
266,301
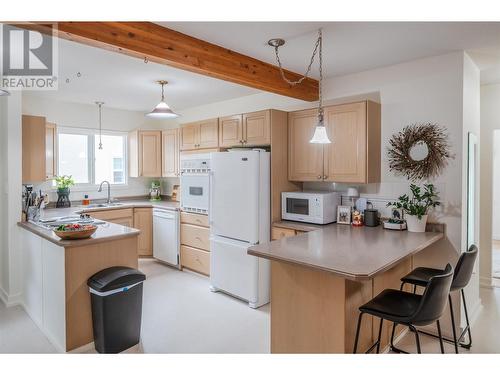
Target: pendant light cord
x,y
308,71
320,88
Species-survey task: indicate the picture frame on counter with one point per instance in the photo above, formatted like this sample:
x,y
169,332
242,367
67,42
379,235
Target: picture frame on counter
x,y
344,215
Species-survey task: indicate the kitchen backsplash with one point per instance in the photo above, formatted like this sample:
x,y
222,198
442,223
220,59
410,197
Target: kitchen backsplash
x,y
135,187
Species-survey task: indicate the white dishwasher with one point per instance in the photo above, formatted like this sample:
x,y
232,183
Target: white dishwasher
x,y
166,236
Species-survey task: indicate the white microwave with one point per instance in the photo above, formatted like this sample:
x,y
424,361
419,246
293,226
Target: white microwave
x,y
317,207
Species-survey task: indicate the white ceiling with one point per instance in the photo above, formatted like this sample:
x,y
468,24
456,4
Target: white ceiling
x,y
350,47
128,83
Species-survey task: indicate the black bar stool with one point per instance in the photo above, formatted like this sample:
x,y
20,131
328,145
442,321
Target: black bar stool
x,y
409,309
463,271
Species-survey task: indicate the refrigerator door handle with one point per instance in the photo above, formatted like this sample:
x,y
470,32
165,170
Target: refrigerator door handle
x,y
210,194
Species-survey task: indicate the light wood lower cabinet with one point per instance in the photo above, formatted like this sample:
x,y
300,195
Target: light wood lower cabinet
x,y
143,220
195,259
195,242
354,156
278,233
139,218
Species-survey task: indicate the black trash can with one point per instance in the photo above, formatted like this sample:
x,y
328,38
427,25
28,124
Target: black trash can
x,y
116,296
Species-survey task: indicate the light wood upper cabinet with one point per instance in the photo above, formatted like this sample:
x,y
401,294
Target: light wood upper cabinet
x,y
34,162
305,160
257,128
145,153
170,153
209,134
199,135
50,150
143,220
249,129
345,158
354,154
231,131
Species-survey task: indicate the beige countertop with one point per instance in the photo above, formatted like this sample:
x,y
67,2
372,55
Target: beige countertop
x,y
105,232
355,253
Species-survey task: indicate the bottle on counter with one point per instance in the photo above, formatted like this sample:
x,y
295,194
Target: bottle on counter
x,y
86,200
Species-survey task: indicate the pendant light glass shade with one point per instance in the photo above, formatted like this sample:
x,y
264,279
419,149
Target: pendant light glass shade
x,y
162,110
320,135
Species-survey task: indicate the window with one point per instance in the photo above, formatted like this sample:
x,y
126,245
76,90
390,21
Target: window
x,y
80,157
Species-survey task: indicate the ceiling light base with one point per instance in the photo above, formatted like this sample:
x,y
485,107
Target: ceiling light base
x,y
277,42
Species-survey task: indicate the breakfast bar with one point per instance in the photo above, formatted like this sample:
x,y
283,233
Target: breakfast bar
x,y
321,277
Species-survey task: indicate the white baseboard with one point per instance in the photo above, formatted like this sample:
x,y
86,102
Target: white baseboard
x,y
10,300
474,312
485,282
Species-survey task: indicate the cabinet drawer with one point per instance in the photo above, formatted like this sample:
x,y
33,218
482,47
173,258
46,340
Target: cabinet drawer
x,y
195,219
278,233
195,259
112,214
193,235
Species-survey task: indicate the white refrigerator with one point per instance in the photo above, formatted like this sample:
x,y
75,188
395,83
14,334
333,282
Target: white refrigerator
x,y
239,215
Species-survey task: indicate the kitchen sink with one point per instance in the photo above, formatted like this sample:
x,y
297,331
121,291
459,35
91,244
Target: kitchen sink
x,y
103,205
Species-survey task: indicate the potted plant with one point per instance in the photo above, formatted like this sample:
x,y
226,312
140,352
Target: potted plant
x,y
63,183
417,206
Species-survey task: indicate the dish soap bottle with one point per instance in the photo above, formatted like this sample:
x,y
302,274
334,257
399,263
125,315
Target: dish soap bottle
x,y
86,200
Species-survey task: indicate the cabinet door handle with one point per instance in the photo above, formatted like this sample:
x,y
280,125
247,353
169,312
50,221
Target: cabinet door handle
x,y
319,177
325,177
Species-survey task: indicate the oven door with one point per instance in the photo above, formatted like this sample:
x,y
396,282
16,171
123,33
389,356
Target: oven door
x,y
195,192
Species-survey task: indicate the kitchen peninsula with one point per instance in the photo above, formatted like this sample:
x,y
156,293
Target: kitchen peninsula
x,y
320,278
55,277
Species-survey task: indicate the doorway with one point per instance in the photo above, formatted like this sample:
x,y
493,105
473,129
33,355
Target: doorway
x,y
495,225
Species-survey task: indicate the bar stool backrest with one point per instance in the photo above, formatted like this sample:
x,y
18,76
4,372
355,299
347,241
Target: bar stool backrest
x,y
434,299
464,268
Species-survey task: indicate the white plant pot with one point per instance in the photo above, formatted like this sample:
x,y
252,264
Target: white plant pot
x,y
415,224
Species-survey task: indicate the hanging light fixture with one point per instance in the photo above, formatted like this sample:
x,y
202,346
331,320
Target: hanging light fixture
x,y
162,110
99,104
4,92
320,134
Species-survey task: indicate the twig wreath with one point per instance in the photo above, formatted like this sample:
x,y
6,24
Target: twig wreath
x,y
431,135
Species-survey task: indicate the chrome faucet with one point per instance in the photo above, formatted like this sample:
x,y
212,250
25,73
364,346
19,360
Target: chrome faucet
x,y
109,191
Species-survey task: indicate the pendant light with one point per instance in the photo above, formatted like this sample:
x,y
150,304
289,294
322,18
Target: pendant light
x,y
162,110
99,104
320,135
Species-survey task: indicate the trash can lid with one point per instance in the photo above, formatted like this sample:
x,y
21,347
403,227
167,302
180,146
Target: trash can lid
x,y
114,278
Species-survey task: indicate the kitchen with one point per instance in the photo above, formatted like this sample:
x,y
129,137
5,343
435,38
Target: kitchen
x,y
203,195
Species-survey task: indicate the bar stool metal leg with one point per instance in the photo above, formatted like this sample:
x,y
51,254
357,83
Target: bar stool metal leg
x,y
417,338
453,324
357,334
467,329
379,335
440,336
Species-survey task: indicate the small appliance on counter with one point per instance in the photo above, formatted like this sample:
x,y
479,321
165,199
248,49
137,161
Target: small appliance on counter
x,y
155,191
371,216
317,207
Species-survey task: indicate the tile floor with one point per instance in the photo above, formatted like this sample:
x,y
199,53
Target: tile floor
x,y
181,315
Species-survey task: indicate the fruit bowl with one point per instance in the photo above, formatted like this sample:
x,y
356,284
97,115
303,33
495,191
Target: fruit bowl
x,y
75,231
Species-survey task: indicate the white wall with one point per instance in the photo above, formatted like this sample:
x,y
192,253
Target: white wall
x,y
490,121
66,114
10,278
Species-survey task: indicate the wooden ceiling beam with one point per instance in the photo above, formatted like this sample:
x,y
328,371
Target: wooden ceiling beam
x,y
169,47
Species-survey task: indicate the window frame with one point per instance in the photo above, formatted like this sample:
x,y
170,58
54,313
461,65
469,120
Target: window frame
x,y
91,136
